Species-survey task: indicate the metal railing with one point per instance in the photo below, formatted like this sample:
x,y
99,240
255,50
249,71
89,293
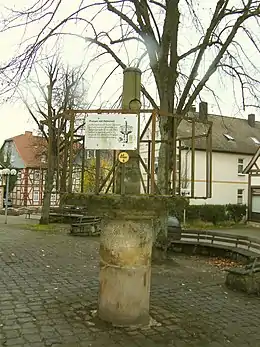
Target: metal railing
x,y
218,239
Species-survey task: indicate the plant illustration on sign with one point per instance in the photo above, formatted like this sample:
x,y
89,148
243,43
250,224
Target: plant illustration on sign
x,y
126,130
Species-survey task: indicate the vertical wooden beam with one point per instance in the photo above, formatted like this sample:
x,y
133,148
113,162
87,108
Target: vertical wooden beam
x,y
149,166
249,198
179,168
83,164
122,185
25,190
193,159
97,174
174,154
114,173
210,162
153,151
72,120
207,166
58,157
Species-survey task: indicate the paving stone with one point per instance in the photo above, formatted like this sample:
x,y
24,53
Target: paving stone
x,y
32,337
19,341
10,334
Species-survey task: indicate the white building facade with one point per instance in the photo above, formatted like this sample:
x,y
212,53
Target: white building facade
x,y
234,142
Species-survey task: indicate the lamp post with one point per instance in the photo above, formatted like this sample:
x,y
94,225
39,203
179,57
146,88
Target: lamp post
x,y
7,172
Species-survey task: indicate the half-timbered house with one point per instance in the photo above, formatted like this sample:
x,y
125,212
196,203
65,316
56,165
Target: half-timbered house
x,y
27,154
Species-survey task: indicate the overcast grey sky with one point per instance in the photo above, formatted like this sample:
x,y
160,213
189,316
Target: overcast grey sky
x,y
14,118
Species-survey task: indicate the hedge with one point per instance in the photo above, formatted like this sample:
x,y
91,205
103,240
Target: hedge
x,y
236,212
177,205
207,213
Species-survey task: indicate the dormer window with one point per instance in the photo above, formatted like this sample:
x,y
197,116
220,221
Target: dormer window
x,y
256,141
229,137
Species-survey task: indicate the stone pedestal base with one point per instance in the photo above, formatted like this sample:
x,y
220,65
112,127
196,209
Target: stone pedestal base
x,y
127,235
125,271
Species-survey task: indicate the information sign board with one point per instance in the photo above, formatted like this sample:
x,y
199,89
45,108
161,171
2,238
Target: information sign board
x,y
111,131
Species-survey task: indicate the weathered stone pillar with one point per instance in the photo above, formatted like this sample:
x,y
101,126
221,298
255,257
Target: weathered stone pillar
x,y
125,253
125,269
131,101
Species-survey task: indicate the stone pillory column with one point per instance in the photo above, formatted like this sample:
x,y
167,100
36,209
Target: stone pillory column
x,y
125,256
131,101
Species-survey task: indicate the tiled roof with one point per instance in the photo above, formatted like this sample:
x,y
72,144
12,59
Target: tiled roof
x,y
30,148
33,149
233,135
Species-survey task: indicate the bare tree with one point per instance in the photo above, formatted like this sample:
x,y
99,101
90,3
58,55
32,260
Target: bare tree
x,y
63,90
158,28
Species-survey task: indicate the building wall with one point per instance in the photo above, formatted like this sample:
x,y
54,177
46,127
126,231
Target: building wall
x,y
29,188
228,185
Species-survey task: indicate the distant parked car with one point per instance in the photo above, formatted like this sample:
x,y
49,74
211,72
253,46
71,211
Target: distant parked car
x,y
174,228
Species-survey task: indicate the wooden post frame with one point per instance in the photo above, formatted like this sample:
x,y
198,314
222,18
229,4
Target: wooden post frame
x,y
176,146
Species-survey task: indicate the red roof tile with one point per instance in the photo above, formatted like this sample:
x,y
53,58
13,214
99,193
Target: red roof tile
x,y
30,148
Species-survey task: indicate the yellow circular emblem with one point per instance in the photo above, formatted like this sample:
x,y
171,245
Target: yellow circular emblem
x,y
123,157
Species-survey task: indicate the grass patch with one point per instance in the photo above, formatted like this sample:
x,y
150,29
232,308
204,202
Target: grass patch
x,y
47,227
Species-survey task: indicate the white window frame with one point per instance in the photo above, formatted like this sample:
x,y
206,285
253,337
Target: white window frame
x,y
240,166
240,196
38,199
37,175
53,197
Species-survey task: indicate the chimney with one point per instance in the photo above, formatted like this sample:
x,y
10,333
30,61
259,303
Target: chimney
x,y
203,110
251,120
28,133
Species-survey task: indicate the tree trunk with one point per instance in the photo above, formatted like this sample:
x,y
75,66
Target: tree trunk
x,y
164,176
63,180
45,216
49,180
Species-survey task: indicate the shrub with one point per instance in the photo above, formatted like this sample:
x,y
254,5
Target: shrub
x,y
216,213
207,213
213,213
177,205
236,212
193,212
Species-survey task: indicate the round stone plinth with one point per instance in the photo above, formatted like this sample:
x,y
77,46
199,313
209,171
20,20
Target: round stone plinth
x,y
125,271
113,206
125,257
126,241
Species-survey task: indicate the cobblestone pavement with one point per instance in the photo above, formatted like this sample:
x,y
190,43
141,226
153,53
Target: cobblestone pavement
x,y
49,285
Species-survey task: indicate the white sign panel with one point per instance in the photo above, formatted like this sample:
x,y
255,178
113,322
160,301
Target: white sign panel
x,y
111,131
